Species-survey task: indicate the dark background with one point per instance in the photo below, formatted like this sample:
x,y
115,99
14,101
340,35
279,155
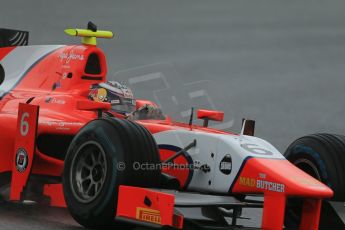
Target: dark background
x,y
278,62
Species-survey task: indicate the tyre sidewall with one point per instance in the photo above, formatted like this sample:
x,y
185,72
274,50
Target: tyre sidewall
x,y
105,203
301,151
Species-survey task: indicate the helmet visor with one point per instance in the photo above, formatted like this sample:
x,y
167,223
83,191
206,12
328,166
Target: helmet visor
x,y
121,104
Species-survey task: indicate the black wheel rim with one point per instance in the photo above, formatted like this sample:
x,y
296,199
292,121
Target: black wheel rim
x,y
308,167
88,172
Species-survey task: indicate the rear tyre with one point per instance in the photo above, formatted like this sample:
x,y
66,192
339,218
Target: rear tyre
x,y
323,157
99,160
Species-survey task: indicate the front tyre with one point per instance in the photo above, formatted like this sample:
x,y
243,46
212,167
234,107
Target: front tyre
x,y
98,161
323,157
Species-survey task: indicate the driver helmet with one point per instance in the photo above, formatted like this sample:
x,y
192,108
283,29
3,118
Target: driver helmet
x,y
117,94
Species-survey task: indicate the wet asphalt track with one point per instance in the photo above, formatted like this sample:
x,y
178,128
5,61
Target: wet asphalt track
x,y
278,62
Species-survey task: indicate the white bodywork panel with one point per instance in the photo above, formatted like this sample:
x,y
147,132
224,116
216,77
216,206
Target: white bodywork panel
x,y
238,147
20,60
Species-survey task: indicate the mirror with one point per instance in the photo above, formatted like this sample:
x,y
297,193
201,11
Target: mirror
x,y
92,105
212,115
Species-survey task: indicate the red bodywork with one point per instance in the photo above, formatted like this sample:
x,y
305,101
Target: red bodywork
x,y
63,111
59,85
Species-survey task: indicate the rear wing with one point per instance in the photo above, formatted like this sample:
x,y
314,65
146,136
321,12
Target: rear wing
x,y
10,38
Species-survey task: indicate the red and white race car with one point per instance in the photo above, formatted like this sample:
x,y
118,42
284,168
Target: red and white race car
x,y
70,139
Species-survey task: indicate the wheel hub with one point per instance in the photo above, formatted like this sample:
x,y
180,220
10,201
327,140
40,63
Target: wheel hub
x,y
97,173
88,173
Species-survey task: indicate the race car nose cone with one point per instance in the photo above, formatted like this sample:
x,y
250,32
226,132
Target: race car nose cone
x,y
279,176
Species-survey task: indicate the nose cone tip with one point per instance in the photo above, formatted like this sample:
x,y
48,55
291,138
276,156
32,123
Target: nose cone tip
x,y
295,182
314,189
305,185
